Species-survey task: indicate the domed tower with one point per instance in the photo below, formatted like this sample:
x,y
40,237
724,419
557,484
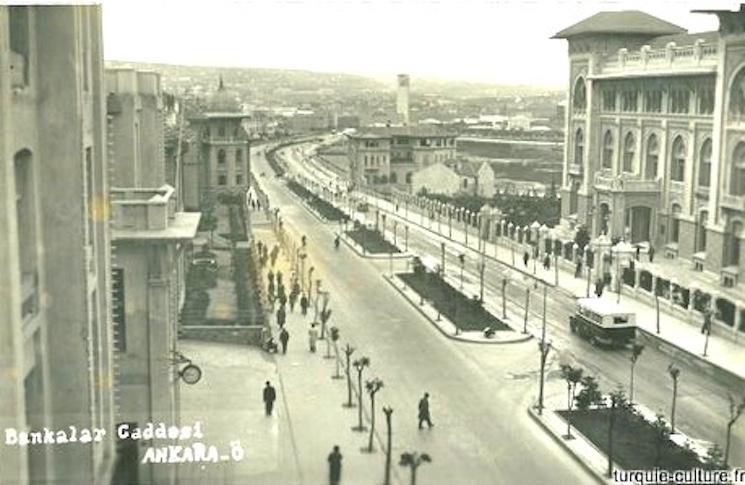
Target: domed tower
x,y
224,159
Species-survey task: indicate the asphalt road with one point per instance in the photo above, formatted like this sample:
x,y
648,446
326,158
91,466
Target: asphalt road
x,y
482,432
702,404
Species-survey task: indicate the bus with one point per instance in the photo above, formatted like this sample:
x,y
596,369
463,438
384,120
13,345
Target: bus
x,y
603,322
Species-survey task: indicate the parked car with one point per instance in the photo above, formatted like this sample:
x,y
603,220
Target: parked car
x,y
603,322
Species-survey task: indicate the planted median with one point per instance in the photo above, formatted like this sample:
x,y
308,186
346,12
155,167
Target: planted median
x,y
465,313
371,240
319,205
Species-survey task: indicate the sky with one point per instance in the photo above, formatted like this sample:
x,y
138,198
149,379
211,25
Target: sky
x,y
499,41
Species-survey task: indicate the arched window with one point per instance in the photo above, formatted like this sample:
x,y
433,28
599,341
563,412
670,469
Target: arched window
x,y
737,174
394,178
221,130
675,223
653,157
733,236
607,160
737,95
678,165
701,239
580,95
408,177
221,157
239,156
704,166
579,147
629,152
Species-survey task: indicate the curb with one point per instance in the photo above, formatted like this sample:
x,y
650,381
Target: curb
x,y
378,256
522,338
558,439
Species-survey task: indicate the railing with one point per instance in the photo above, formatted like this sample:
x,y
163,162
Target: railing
x,y
624,183
699,54
736,202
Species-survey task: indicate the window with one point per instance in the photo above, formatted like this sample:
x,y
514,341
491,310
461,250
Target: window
x,y
221,157
394,178
678,168
117,309
26,216
737,175
408,177
737,95
704,168
680,101
628,100
701,241
579,147
705,101
653,101
238,157
221,130
653,156
675,223
735,233
579,101
222,179
607,160
629,151
18,27
239,179
609,100
90,193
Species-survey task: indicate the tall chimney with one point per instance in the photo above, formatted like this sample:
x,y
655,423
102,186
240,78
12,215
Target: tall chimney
x,y
402,99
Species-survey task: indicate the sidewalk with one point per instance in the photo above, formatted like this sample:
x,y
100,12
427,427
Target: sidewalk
x,y
683,336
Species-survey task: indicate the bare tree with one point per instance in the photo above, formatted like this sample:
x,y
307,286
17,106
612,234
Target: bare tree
x,y
674,373
388,412
572,376
414,460
360,365
348,351
372,386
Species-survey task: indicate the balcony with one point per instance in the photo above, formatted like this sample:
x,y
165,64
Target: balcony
x,y
625,183
734,202
700,57
143,208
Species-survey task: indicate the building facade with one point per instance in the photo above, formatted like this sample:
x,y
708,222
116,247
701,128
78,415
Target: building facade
x,y
389,156
223,163
56,328
151,238
655,144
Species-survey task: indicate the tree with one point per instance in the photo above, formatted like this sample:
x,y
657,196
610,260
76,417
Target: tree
x,y
572,376
360,365
544,348
735,411
334,334
388,412
589,395
372,386
661,435
414,460
348,351
636,352
617,401
674,373
208,222
714,459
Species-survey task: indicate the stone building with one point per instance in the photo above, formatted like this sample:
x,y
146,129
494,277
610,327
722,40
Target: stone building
x,y
389,156
223,163
55,306
150,240
655,144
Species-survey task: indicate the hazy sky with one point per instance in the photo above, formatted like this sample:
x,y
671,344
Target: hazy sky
x,y
482,40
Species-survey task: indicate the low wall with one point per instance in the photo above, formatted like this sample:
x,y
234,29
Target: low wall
x,y
234,334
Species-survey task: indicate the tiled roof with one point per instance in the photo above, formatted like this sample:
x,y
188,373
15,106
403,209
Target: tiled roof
x,y
403,131
622,22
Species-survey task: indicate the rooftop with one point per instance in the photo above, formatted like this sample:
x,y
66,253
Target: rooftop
x,y
402,131
625,22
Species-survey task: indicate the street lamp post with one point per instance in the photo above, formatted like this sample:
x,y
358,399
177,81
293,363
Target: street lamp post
x,y
450,221
466,216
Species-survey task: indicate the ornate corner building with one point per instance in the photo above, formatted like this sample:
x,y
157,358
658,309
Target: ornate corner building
x,y
655,137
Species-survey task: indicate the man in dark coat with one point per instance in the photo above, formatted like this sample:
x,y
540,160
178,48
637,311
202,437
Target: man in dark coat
x,y
334,460
651,254
284,337
281,316
304,305
526,258
424,411
270,395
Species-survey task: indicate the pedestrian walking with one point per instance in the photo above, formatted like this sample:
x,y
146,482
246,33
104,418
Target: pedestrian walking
x,y
281,316
547,262
293,300
270,395
638,251
526,258
578,269
599,288
334,460
304,304
424,416
284,337
312,337
651,254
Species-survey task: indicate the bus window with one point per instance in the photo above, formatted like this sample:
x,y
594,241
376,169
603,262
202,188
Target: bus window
x,y
621,320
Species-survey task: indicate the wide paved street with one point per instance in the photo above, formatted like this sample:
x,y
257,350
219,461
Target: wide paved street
x,y
702,405
483,433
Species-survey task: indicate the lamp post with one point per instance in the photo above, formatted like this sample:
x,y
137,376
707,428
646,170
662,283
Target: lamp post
x,y
466,217
450,221
510,227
